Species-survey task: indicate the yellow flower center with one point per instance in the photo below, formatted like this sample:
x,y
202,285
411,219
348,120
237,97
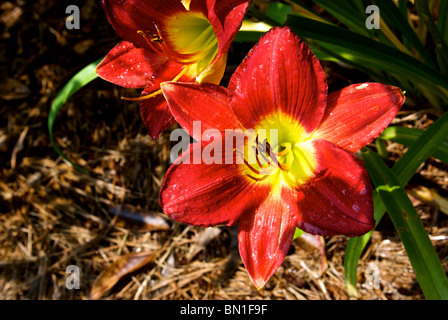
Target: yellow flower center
x,y
278,150
193,38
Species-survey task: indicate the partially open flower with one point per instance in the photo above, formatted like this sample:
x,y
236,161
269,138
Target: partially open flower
x,y
307,177
168,40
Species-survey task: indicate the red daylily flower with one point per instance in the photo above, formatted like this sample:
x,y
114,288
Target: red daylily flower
x,y
168,40
318,185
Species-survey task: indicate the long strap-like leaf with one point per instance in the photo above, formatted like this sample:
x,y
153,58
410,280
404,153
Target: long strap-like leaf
x,y
403,170
362,50
81,79
407,136
419,248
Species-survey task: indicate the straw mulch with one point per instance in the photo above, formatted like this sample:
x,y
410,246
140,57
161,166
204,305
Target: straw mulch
x,y
53,216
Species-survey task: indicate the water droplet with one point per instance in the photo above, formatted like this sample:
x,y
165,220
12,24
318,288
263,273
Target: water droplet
x,y
375,108
363,191
362,86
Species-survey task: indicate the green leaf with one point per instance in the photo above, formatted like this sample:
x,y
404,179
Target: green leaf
x,y
442,20
298,233
307,12
404,169
347,14
440,45
81,79
353,252
278,12
365,51
407,136
421,252
403,7
391,13
248,36
251,31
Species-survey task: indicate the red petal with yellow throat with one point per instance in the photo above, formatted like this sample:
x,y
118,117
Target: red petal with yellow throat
x,y
357,114
208,194
338,200
280,75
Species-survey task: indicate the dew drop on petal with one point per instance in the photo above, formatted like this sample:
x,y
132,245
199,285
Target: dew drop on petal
x,y
375,108
219,179
363,191
362,86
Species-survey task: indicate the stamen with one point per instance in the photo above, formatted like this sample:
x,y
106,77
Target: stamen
x,y
285,151
155,93
169,52
285,167
264,151
268,147
267,164
261,147
247,163
148,96
155,38
258,179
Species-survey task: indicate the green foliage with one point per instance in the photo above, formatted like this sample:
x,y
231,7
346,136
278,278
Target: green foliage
x,y
82,78
421,253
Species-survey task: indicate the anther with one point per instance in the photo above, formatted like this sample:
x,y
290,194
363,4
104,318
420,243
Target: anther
x,y
150,38
155,93
287,148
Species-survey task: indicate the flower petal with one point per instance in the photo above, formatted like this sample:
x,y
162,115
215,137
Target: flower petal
x,y
265,237
214,72
339,199
130,67
128,17
155,114
280,74
226,16
357,114
206,103
204,194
